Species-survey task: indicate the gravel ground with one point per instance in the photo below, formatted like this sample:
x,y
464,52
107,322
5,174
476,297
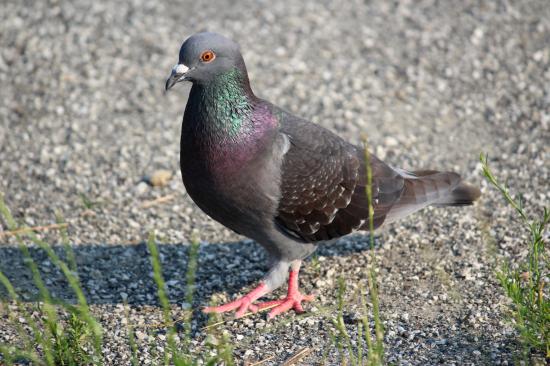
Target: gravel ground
x,y
83,120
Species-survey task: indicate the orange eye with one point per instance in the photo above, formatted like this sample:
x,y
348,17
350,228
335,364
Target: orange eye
x,y
208,56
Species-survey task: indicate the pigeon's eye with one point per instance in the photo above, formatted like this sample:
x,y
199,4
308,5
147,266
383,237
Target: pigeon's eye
x,y
208,56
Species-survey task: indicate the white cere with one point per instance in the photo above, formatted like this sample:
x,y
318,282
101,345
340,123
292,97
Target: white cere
x,y
180,69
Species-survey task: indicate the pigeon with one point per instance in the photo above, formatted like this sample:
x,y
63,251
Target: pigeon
x,y
285,182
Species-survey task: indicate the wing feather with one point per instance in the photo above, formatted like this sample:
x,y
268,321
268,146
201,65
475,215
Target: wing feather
x,y
323,183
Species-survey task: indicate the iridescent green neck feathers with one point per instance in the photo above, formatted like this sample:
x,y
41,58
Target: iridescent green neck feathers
x,y
224,104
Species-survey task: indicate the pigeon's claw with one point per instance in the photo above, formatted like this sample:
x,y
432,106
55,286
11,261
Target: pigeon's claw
x,y
242,304
293,299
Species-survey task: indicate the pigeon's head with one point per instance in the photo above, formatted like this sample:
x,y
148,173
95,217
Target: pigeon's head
x,y
203,57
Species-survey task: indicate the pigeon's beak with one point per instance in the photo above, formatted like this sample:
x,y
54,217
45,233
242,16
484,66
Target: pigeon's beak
x,y
177,75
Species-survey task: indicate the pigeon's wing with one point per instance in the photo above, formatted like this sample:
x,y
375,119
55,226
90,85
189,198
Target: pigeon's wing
x,y
323,183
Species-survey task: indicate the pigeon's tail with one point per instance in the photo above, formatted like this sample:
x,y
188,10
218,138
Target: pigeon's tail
x,y
463,194
428,187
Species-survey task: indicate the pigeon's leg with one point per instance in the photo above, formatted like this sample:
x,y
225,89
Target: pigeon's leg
x,y
272,280
293,298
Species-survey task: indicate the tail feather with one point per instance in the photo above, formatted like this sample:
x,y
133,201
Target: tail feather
x,y
463,194
428,187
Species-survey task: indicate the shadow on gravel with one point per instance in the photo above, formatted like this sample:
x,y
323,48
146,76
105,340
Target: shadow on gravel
x,y
111,273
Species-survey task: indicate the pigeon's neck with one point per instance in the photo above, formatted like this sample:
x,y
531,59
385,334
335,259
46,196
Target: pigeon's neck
x,y
224,105
225,125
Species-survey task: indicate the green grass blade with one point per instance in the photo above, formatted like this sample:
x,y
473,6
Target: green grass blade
x,y
190,276
131,337
173,354
69,252
376,353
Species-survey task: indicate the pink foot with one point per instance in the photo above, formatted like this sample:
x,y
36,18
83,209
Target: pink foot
x,y
293,299
243,304
285,304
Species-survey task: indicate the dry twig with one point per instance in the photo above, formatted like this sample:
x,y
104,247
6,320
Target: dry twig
x,y
34,228
244,316
297,357
158,201
261,362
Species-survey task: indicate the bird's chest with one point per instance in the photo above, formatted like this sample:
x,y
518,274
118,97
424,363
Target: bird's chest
x,y
236,184
217,163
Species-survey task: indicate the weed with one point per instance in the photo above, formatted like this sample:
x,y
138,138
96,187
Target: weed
x,y
315,264
525,286
87,202
342,340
